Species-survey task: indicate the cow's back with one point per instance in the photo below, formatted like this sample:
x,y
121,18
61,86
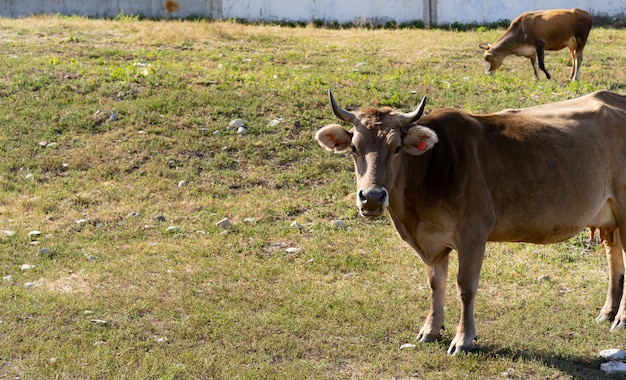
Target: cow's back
x,y
555,27
541,165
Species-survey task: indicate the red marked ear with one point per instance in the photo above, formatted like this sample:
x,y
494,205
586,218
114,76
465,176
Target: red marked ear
x,y
419,140
334,137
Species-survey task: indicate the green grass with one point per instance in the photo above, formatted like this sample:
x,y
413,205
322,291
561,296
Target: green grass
x,y
207,304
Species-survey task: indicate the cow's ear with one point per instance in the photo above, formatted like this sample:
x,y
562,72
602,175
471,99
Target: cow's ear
x,y
334,137
419,140
485,46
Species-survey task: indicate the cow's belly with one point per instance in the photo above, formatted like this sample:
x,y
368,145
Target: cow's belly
x,y
552,228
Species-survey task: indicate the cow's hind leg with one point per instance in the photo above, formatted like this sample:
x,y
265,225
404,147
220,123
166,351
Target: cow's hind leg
x,y
577,61
620,317
533,62
437,277
613,249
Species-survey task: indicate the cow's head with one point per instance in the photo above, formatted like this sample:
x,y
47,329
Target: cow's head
x,y
493,59
378,141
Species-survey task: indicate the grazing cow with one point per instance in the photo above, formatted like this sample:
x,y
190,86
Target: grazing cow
x,y
453,181
532,33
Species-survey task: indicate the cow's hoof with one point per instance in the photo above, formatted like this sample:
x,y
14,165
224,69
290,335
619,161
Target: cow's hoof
x,y
603,317
618,324
455,350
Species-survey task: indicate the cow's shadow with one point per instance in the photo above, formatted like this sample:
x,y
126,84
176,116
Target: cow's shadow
x,y
575,366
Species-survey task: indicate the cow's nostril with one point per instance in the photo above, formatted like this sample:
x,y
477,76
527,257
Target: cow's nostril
x,y
382,196
362,196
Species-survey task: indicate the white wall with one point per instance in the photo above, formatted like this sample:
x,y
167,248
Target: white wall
x,y
435,11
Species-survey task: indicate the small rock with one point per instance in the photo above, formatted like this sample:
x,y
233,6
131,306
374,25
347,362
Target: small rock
x,y
543,278
162,340
43,144
113,116
8,278
8,232
50,145
613,367
292,250
407,346
99,321
30,284
171,164
44,252
507,373
34,234
172,229
160,218
99,343
242,131
25,267
134,214
613,354
338,224
92,258
235,124
81,222
249,220
29,176
274,123
182,183
224,223
216,133
296,225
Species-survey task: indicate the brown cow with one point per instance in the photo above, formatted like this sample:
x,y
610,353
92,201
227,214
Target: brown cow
x,y
532,33
453,181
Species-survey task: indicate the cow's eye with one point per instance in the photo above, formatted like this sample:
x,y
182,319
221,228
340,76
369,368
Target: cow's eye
x,y
397,150
355,151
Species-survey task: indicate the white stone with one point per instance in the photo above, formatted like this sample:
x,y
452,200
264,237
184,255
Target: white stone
x,y
224,223
237,123
274,123
81,222
613,367
183,183
172,229
242,131
296,225
407,346
292,250
8,232
27,266
34,234
613,354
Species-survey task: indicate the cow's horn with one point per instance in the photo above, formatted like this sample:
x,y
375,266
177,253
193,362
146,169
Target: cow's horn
x,y
413,116
340,112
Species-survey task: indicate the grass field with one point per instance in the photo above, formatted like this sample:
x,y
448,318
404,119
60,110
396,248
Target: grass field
x,y
101,120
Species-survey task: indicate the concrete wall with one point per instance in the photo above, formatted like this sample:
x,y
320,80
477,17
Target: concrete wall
x,y
429,11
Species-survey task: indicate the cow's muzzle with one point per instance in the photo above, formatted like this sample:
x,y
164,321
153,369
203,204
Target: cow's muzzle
x,y
372,201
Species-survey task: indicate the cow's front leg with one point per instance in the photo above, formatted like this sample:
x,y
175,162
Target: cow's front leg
x,y
613,250
540,59
470,263
437,277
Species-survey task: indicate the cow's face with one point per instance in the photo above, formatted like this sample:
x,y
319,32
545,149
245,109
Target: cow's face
x,y
492,59
378,141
